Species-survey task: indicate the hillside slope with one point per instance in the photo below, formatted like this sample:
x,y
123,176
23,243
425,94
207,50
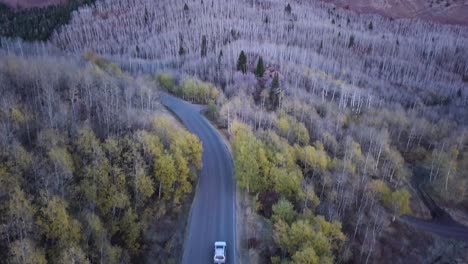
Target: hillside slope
x,y
341,108
420,61
92,168
446,11
31,3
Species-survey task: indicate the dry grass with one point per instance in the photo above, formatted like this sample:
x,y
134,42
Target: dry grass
x,y
17,4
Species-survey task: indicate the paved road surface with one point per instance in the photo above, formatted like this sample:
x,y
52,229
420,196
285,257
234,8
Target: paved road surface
x,y
212,217
441,223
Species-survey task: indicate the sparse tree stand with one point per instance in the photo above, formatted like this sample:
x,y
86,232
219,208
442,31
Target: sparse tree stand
x,y
242,63
260,70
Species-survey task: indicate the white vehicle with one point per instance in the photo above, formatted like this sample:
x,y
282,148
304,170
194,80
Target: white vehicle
x,y
220,252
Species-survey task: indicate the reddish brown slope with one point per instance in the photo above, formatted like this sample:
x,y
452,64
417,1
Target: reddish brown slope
x,y
442,11
31,3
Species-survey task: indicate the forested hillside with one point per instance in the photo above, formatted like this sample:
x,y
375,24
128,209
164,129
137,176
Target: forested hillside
x,y
335,119
37,23
328,112
92,169
304,40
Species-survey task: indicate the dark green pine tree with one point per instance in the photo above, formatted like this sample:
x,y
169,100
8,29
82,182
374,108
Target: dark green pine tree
x,y
146,16
274,93
275,83
242,62
203,46
260,70
288,9
181,51
220,57
351,42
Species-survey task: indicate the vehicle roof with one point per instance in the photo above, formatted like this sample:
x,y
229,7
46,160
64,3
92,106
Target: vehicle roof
x,y
220,243
219,252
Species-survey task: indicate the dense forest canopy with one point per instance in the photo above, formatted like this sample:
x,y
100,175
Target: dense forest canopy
x,y
37,23
344,110
84,171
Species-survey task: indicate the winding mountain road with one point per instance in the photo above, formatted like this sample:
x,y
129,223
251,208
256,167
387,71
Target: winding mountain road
x,y
441,223
212,217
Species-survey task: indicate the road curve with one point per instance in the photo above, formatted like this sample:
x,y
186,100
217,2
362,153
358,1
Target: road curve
x,y
441,223
449,230
212,217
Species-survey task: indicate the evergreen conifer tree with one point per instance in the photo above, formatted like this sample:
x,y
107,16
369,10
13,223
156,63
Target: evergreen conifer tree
x,y
288,9
242,62
203,46
274,93
351,42
260,70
